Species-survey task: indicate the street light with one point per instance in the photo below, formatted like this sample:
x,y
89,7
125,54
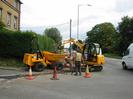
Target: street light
x,y
78,18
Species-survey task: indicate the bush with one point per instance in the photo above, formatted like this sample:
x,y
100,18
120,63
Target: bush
x,y
15,44
2,25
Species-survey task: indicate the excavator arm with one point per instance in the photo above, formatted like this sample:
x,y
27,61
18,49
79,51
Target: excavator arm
x,y
76,42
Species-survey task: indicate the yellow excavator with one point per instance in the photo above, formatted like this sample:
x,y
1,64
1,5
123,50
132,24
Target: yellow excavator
x,y
92,54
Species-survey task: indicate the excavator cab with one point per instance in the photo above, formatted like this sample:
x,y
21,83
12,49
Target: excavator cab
x,y
93,57
90,51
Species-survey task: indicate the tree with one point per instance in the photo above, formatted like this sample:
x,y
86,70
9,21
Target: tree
x,y
104,34
54,34
46,43
125,29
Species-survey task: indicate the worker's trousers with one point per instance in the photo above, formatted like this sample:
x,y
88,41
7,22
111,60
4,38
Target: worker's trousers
x,y
78,67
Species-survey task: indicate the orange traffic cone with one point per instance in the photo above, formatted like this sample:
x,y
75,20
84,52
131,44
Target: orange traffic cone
x,y
87,73
55,74
30,77
62,71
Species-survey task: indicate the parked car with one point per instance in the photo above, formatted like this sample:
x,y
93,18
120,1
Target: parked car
x,y
127,60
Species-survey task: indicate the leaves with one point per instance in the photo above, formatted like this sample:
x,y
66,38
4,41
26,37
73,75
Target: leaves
x,y
15,44
2,25
55,35
46,43
104,34
125,28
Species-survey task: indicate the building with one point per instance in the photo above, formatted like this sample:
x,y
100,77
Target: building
x,y
10,13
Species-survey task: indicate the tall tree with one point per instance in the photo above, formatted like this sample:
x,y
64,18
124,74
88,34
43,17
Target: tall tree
x,y
53,33
104,34
125,28
46,43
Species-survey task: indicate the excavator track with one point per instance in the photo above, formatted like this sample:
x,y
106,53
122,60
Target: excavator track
x,y
95,68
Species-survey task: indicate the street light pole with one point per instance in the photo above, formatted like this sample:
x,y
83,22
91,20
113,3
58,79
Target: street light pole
x,y
78,24
78,18
70,37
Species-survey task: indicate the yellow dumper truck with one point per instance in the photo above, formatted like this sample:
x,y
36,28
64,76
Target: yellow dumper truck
x,y
38,61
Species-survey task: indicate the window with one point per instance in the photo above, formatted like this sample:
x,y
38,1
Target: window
x,y
15,4
0,13
15,22
8,19
6,0
126,52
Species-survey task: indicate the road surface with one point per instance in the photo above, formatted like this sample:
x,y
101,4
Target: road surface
x,y
111,83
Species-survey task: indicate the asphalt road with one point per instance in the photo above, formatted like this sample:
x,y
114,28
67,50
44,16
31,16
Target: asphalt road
x,y
111,83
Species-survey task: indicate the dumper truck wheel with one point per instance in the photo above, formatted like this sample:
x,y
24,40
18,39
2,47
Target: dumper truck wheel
x,y
39,67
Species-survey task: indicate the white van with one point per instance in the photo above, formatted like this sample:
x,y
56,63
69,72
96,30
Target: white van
x,y
127,60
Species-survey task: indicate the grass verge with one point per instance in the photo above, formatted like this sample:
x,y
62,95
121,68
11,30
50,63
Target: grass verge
x,y
112,55
11,63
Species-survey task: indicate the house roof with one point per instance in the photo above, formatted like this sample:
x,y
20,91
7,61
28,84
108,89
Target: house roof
x,y
20,2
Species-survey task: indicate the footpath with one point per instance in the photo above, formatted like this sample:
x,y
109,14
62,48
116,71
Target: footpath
x,y
12,73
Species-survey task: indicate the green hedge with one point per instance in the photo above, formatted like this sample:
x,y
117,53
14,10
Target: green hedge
x,y
15,44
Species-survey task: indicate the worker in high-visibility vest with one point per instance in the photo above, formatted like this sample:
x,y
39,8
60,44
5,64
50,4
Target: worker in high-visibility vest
x,y
73,57
78,60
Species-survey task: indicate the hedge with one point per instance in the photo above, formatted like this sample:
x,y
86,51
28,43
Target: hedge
x,y
15,44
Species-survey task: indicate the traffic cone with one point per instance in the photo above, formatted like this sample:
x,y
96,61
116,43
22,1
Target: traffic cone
x,y
87,73
30,76
55,74
62,71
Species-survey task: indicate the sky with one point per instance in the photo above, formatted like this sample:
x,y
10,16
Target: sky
x,y
37,15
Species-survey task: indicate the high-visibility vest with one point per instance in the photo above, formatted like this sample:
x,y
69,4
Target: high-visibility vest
x,y
78,56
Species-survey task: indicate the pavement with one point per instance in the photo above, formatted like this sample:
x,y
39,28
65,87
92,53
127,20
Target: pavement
x,y
12,73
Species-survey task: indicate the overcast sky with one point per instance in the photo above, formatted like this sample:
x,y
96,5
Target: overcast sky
x,y
37,15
